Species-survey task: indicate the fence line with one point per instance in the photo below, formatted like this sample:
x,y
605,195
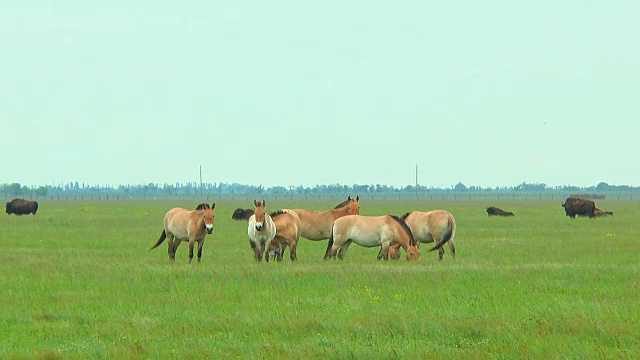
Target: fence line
x,y
435,196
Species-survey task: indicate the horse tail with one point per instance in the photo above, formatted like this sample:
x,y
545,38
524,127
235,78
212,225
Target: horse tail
x,y
451,230
162,237
329,245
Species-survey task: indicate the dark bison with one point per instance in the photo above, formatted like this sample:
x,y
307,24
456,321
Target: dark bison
x,y
491,210
580,207
21,207
242,214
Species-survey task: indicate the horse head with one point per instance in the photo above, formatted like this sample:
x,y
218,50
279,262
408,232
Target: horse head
x,y
259,213
353,206
413,253
209,214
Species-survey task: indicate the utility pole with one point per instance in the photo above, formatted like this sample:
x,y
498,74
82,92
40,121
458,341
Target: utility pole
x,y
416,181
200,180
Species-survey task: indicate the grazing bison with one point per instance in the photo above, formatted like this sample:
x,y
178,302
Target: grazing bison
x,y
491,210
581,207
242,214
21,207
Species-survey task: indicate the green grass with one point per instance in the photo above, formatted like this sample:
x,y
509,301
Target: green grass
x,y
77,281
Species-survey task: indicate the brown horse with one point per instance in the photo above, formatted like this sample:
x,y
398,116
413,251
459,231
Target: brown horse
x,y
437,226
287,233
371,231
316,225
182,225
261,231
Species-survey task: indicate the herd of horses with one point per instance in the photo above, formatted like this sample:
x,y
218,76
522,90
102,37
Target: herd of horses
x,y
271,233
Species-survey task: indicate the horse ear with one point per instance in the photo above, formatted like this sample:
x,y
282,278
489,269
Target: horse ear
x,y
255,203
349,198
264,203
357,198
213,205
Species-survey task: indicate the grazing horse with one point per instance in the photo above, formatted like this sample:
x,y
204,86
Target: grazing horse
x,y
437,226
371,231
287,233
242,214
182,225
261,231
316,225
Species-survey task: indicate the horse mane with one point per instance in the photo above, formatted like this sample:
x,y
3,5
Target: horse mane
x,y
203,206
407,229
404,217
344,203
276,213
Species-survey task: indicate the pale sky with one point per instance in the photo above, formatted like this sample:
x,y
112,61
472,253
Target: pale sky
x,y
487,93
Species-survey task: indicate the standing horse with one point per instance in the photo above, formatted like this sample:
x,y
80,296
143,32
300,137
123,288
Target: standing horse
x,y
437,226
316,225
181,225
371,231
287,233
261,231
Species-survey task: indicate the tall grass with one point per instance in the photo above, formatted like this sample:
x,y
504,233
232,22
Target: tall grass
x,y
78,281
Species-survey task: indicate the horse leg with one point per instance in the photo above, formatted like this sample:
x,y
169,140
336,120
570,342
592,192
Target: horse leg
x,y
279,249
255,249
275,248
260,250
191,243
170,250
267,245
385,250
292,251
343,249
394,252
200,244
436,240
452,248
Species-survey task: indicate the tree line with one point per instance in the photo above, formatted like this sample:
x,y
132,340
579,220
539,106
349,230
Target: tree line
x,y
193,188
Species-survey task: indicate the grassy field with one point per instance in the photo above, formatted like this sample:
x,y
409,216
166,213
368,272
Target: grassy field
x,y
77,281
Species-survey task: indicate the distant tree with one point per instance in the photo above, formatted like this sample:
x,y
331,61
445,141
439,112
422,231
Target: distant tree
x,y
14,189
42,191
530,187
460,187
277,190
5,188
